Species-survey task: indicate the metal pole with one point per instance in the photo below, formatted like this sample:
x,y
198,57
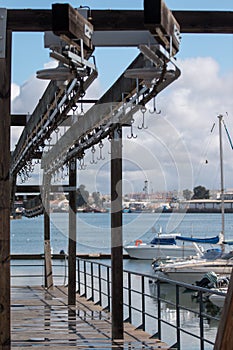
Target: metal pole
x,y
159,309
5,122
143,303
220,117
178,345
72,234
116,234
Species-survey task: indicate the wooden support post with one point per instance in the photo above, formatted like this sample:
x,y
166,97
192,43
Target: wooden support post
x,y
224,337
5,95
47,252
72,234
116,234
47,248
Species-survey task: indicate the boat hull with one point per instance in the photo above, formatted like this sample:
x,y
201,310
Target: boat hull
x,y
190,273
150,252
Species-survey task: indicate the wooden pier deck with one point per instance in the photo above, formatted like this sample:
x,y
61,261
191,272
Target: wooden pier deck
x,y
42,318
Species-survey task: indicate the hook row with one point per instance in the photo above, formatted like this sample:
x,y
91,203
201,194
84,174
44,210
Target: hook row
x,y
143,125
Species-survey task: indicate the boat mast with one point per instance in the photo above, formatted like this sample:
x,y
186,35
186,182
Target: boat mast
x,y
220,117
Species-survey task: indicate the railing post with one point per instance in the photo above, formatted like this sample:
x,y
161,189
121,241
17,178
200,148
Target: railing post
x,y
143,303
108,287
85,278
107,307
129,298
201,308
100,287
78,275
92,283
159,309
177,317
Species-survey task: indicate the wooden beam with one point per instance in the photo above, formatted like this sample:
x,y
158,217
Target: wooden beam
x,y
5,97
190,21
218,22
116,235
28,20
37,189
48,278
205,22
48,262
161,23
18,119
72,234
224,337
67,21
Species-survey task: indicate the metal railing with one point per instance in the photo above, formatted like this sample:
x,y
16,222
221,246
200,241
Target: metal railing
x,y
177,313
148,302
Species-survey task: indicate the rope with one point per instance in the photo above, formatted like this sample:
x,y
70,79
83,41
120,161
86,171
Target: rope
x,y
203,157
228,135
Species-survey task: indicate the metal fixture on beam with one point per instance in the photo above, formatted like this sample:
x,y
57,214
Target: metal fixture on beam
x,y
106,116
3,27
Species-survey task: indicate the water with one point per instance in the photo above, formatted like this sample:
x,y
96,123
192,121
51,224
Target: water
x,y
93,230
93,235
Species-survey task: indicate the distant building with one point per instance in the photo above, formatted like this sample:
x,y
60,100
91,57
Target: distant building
x,y
206,205
227,196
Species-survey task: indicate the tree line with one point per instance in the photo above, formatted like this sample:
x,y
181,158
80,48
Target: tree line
x,y
199,192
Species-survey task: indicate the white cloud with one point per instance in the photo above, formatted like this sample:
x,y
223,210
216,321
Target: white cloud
x,y
15,90
192,104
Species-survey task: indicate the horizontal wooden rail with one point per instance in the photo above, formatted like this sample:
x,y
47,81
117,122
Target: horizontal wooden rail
x,y
198,22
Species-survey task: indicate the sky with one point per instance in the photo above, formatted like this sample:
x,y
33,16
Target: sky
x,y
177,151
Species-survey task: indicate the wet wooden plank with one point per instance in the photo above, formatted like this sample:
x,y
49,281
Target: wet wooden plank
x,y
42,318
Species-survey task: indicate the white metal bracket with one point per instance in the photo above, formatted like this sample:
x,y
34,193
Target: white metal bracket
x,y
3,17
88,32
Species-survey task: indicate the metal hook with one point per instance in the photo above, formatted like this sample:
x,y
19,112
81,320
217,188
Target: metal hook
x,y
109,139
54,177
93,161
56,132
82,166
58,175
143,110
67,170
132,136
101,152
62,173
49,139
154,110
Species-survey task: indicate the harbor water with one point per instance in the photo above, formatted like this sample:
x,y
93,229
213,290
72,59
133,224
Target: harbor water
x,y
93,236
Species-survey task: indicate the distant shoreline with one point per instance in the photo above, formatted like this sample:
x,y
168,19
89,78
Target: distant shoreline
x,y
198,211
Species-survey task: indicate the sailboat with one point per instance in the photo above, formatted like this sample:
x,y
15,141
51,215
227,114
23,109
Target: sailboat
x,y
191,270
164,246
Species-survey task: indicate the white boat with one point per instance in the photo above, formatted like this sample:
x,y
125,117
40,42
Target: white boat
x,y
163,246
191,270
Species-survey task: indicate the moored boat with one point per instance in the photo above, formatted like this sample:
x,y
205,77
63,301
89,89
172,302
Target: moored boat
x,y
168,245
191,270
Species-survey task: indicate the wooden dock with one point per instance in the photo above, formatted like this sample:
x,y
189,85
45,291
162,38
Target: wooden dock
x,y
42,318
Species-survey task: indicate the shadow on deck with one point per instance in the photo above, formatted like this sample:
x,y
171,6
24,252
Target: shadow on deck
x,y
42,319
